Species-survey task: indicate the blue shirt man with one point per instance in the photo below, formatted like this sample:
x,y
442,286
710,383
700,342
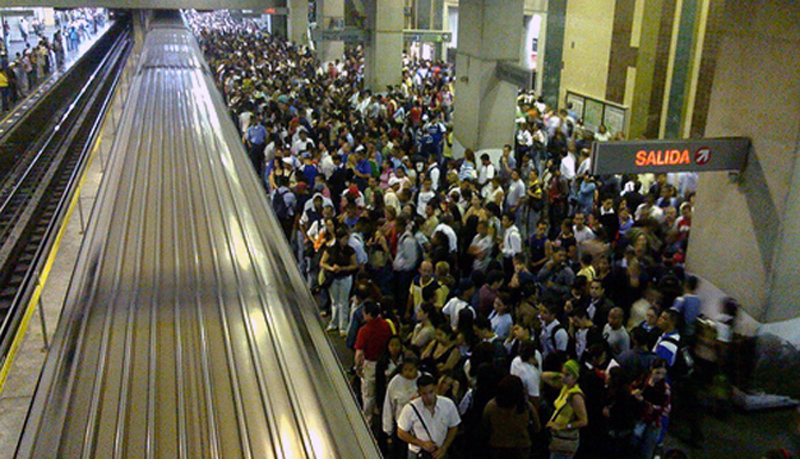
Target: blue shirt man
x,y
256,134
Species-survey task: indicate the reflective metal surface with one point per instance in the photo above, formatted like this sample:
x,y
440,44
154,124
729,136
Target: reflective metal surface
x,y
188,331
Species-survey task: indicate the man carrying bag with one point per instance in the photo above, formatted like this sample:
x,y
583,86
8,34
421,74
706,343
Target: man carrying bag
x,y
428,423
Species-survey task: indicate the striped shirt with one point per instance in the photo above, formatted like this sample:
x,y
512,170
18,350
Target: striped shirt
x,y
667,346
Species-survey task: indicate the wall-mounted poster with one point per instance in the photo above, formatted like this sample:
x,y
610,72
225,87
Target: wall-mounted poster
x,y
592,114
614,119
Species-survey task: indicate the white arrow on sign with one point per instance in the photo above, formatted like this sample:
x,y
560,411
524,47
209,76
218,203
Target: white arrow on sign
x,y
702,156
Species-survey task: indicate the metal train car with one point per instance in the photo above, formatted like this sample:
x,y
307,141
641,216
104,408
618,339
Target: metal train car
x,y
187,331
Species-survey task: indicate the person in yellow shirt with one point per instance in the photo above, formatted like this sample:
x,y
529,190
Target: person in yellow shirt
x,y
570,411
587,270
424,288
5,90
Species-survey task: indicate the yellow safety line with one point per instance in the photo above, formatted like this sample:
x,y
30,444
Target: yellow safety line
x,y
6,369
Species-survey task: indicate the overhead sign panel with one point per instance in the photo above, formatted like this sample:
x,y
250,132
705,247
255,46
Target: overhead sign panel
x,y
427,36
659,156
347,35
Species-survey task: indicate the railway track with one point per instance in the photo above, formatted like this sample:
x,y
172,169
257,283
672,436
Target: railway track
x,y
50,148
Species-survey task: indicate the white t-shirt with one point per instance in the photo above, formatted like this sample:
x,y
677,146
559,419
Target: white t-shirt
x,y
327,165
451,235
582,235
618,340
453,308
483,244
485,173
568,166
531,375
299,146
399,392
445,416
516,191
501,324
423,199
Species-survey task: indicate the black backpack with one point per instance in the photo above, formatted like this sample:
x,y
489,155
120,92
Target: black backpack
x,y
279,205
684,361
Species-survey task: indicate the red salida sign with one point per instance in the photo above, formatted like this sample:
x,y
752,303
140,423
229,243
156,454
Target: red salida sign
x,y
662,158
656,156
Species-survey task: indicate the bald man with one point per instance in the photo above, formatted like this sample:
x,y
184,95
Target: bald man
x,y
615,334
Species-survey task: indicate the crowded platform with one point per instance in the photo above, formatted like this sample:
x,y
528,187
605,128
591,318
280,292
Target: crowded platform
x,y
507,305
35,54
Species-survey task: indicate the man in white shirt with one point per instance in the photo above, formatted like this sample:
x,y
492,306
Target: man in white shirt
x,y
524,137
516,191
512,243
554,336
615,334
452,309
501,320
429,422
302,144
584,163
433,172
326,164
425,195
528,367
448,231
390,199
400,390
244,120
481,247
568,163
485,170
581,232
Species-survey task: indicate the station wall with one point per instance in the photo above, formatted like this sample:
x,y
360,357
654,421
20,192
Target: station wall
x,y
746,233
587,47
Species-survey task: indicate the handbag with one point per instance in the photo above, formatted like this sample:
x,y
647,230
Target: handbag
x,y
564,441
422,454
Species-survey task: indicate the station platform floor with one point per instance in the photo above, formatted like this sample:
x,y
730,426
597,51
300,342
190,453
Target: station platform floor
x,y
17,391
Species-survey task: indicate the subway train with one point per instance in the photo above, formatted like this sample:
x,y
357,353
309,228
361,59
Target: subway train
x,y
188,331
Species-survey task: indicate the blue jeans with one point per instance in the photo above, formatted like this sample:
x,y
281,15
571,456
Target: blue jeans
x,y
645,440
340,302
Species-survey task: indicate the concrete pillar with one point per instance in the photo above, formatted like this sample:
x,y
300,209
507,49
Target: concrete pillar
x,y
746,233
551,63
298,21
488,32
328,13
280,25
384,53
